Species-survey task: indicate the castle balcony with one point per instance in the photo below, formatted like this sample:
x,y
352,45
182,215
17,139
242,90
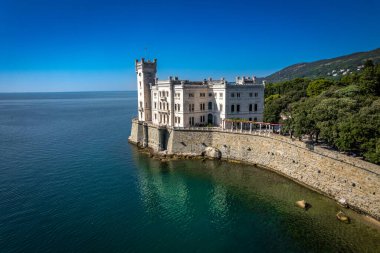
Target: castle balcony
x,y
162,111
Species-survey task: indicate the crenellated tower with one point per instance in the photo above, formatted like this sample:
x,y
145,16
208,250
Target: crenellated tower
x,y
146,77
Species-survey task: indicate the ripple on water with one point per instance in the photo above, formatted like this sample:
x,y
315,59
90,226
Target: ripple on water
x,y
70,182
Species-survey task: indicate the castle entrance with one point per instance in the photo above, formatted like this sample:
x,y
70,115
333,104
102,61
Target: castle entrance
x,y
209,119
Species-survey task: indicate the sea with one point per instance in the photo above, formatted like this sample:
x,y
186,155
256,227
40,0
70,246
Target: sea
x,y
71,182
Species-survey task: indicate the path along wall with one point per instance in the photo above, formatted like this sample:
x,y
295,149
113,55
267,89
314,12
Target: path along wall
x,y
329,172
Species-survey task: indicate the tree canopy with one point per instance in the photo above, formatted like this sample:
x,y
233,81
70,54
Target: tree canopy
x,y
343,113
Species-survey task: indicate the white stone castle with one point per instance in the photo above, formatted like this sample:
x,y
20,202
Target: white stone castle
x,y
184,103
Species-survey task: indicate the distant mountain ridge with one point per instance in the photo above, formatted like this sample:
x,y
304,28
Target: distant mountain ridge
x,y
328,68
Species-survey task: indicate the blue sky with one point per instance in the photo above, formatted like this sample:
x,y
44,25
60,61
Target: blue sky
x,y
75,45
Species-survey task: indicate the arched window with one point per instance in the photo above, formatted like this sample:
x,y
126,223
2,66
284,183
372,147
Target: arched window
x,y
210,105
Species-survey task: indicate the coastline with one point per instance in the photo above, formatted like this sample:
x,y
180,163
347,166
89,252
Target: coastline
x,y
328,173
165,157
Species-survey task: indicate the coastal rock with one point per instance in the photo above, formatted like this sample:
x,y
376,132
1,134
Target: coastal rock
x,y
342,217
343,202
213,153
303,204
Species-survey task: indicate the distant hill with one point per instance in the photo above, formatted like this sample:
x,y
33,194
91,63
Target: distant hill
x,y
329,68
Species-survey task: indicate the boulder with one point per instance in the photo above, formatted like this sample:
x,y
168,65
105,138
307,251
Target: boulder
x,y
343,202
303,204
213,153
343,217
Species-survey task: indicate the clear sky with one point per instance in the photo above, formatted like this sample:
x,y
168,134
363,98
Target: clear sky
x,y
77,45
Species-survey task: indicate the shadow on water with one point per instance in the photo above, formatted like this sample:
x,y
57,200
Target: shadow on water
x,y
250,207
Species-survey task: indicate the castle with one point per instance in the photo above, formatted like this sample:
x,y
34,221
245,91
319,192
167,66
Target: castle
x,y
184,103
168,110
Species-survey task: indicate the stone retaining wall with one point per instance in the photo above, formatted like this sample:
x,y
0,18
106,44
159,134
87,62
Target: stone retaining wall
x,y
331,173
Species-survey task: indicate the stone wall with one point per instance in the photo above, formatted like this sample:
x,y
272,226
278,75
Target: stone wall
x,y
136,136
329,172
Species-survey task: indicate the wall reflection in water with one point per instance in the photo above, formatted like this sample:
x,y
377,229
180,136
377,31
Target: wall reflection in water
x,y
230,199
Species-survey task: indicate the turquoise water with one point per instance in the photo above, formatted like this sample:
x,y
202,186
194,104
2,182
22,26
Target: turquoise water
x,y
70,182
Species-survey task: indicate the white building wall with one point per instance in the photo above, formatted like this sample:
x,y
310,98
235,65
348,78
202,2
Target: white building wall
x,y
146,75
183,103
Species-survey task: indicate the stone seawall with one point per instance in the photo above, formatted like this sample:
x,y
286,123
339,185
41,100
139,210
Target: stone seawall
x,y
331,173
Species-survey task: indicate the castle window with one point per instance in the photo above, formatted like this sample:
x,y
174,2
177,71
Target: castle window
x,y
175,107
160,105
179,120
210,94
232,95
167,93
155,105
155,94
221,107
238,108
232,108
250,119
210,105
191,95
255,107
140,74
256,94
250,107
254,119
202,94
202,106
155,116
251,94
191,121
220,95
179,107
140,84
238,94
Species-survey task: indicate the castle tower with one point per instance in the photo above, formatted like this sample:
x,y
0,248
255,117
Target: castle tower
x,y
146,76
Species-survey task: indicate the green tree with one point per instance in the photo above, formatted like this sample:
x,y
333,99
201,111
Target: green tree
x,y
316,87
361,132
369,80
327,114
301,121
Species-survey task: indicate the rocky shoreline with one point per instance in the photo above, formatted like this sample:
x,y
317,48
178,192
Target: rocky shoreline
x,y
164,156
